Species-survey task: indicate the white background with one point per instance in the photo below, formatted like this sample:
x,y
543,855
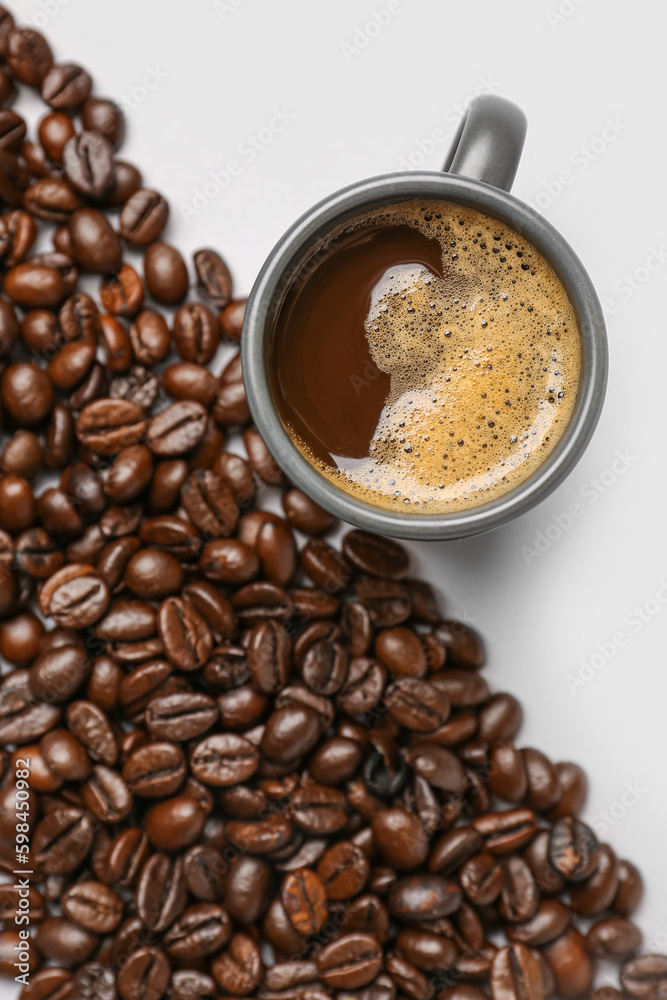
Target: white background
x,y
217,76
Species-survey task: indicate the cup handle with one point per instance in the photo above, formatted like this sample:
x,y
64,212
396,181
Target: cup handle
x,y
489,142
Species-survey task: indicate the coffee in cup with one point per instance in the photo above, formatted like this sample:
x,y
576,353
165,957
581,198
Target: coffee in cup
x,y
426,357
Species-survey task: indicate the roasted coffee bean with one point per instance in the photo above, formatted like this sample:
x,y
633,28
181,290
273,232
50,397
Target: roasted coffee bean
x,y
427,952
63,839
570,964
106,426
454,849
144,975
185,380
481,878
305,515
64,756
155,770
74,596
28,56
593,896
319,810
408,978
27,393
126,856
210,503
464,646
343,871
363,687
94,979
425,897
20,638
630,890
305,900
177,429
37,554
143,217
500,719
351,961
88,163
63,941
550,920
186,636
438,766
17,504
126,179
58,673
202,930
507,831
196,333
189,984
95,243
231,406
261,836
375,555
519,896
93,906
122,293
66,85
239,968
382,780
224,759
214,607
12,131
614,938
165,273
161,892
400,838
290,733
507,773
416,704
106,795
548,880
402,652
269,656
175,823
574,790
645,977
573,849
387,602
515,974
140,387
213,277
180,716
463,688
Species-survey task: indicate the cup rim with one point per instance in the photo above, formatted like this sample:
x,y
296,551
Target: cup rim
x,y
384,190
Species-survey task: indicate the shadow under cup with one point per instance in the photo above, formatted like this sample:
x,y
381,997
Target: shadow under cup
x,y
300,251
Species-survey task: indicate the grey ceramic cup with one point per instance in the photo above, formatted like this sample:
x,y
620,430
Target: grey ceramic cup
x,y
479,172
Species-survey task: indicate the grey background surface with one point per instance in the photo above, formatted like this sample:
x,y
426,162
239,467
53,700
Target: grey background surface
x,y
304,99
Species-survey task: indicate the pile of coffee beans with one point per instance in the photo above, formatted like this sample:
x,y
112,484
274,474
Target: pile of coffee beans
x,y
238,761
